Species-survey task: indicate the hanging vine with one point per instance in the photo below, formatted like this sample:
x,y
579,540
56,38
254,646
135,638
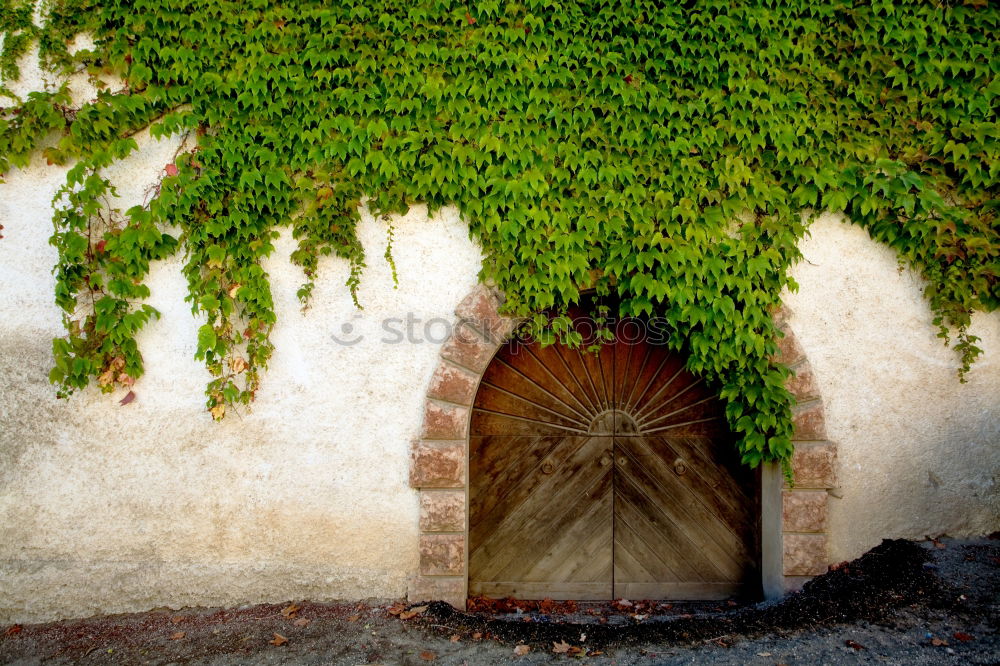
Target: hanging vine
x,y
669,155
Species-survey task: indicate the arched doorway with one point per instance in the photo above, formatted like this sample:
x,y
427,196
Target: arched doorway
x,y
793,538
606,475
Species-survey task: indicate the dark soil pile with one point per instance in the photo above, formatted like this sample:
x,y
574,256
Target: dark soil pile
x,y
884,579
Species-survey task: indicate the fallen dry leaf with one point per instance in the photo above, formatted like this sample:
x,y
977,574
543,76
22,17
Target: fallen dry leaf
x,y
129,397
396,608
562,647
16,629
413,612
962,636
233,289
476,636
427,655
177,636
177,619
290,611
455,638
522,650
302,622
855,645
937,642
354,618
278,640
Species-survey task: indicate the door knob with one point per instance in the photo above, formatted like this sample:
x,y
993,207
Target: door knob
x,y
680,467
548,468
605,460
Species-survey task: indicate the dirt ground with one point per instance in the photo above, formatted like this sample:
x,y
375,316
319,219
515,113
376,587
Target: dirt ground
x,y
902,602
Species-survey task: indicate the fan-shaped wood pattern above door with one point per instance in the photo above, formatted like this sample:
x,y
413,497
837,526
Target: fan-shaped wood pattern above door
x,y
606,475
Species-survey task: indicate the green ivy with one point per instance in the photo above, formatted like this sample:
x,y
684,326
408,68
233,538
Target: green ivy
x,y
670,155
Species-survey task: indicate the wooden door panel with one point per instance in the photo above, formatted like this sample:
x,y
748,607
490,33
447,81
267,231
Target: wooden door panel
x,y
594,476
659,516
533,533
655,465
711,538
502,474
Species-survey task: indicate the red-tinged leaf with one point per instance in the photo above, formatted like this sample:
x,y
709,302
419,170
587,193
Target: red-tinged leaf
x,y
177,635
101,245
427,655
15,629
129,397
854,645
171,170
290,611
962,636
278,640
469,19
413,612
939,642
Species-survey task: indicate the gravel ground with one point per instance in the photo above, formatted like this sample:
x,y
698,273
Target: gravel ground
x,y
902,602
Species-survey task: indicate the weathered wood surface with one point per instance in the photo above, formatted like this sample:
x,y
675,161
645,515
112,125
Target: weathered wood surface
x,y
596,476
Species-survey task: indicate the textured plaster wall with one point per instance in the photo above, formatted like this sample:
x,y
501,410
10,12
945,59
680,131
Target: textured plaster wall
x,y
919,453
105,508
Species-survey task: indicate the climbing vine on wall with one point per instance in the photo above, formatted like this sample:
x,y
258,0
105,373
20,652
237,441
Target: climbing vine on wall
x,y
667,154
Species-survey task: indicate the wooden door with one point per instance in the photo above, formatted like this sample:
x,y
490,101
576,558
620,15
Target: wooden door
x,y
540,503
608,475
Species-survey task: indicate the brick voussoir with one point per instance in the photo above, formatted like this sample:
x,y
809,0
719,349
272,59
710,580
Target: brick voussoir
x,y
443,420
442,510
814,465
453,383
809,421
442,554
804,554
437,464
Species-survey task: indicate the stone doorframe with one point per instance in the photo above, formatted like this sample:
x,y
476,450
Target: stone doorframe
x,y
793,520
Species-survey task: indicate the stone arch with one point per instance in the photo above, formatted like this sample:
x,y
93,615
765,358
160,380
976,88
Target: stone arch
x,y
794,520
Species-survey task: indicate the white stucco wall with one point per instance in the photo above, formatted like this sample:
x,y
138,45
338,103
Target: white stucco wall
x,y
106,508
919,453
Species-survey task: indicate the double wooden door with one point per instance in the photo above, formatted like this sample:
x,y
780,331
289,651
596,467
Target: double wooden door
x,y
607,475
